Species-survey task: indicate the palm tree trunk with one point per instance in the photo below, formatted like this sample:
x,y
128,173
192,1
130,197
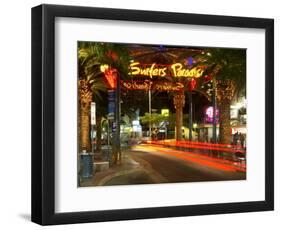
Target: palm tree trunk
x,y
85,96
85,143
178,124
225,93
225,128
179,101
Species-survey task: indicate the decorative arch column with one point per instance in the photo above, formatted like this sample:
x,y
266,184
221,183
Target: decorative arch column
x,y
179,102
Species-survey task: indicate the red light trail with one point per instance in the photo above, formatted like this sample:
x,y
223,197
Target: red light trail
x,y
200,145
198,158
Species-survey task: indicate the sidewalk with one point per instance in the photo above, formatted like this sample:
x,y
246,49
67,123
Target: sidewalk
x,y
129,171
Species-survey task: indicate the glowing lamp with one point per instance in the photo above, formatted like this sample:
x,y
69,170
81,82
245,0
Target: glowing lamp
x,y
207,78
104,67
112,55
191,85
110,75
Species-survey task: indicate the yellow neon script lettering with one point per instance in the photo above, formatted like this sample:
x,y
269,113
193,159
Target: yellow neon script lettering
x,y
169,86
148,71
179,71
146,85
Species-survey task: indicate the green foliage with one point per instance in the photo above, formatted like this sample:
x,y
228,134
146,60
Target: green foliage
x,y
125,120
92,54
225,64
88,65
153,118
97,53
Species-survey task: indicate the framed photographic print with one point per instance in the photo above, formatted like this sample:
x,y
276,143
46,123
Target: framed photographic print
x,y
142,114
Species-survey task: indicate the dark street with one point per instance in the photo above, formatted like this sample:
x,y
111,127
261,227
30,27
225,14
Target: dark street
x,y
165,165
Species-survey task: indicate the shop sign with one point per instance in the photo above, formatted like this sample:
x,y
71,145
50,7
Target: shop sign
x,y
209,115
93,113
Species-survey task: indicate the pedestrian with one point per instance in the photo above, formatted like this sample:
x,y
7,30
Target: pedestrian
x,y
235,138
242,139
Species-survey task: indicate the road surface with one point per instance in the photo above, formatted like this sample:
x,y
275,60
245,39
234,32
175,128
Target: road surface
x,y
166,165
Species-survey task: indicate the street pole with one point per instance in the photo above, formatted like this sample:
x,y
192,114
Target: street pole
x,y
214,102
117,117
149,110
93,124
190,114
108,138
92,139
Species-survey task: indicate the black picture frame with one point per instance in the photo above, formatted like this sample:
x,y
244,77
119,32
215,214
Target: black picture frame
x,y
43,114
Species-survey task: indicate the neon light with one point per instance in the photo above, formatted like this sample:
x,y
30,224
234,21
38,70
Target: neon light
x,y
153,85
148,71
179,71
110,76
209,115
169,86
159,70
137,85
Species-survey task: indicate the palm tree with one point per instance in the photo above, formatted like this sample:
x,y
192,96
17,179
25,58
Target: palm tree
x,y
91,81
90,84
227,68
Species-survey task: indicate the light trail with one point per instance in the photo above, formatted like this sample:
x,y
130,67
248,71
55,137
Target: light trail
x,y
200,145
216,163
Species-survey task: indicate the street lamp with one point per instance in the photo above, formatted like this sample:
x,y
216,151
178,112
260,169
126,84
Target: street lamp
x,y
190,114
149,110
191,87
113,84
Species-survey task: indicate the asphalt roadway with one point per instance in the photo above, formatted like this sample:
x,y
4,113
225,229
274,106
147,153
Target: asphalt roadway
x,y
164,165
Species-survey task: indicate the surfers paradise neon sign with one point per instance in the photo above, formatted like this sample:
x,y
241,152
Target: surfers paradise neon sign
x,y
159,70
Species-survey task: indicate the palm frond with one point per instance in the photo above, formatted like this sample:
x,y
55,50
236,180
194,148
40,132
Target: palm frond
x,y
226,64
